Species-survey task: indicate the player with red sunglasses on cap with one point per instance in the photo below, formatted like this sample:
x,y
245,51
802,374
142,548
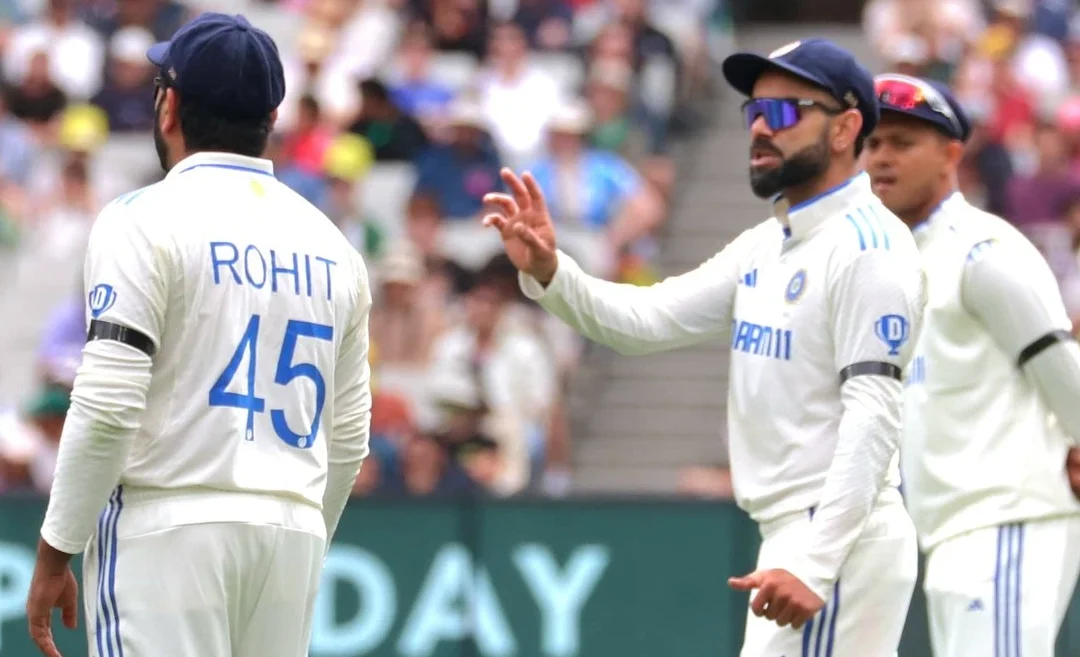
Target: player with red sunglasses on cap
x,y
820,305
990,398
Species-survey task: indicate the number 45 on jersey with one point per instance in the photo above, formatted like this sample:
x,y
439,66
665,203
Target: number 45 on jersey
x,y
286,372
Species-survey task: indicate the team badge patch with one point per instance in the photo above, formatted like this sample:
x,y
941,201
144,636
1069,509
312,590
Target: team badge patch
x,y
796,286
101,298
893,331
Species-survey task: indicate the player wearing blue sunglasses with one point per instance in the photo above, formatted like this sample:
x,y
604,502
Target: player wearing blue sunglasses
x,y
820,305
794,126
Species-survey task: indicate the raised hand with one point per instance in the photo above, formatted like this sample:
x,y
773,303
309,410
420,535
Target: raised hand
x,y
527,231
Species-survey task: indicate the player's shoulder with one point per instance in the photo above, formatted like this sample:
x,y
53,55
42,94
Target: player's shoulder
x,y
128,213
294,204
866,226
975,234
768,231
868,232
140,195
135,200
317,226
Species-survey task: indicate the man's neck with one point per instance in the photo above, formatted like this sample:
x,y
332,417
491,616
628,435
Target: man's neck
x,y
923,212
179,157
834,177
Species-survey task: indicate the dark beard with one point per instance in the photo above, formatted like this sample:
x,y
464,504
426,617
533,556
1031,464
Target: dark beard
x,y
799,169
159,142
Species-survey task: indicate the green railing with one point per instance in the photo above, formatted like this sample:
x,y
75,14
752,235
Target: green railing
x,y
585,578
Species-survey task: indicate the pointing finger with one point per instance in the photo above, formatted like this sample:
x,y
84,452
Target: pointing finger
x,y
517,188
747,582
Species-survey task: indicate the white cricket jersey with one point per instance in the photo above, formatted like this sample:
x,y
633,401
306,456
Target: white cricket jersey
x,y
257,309
840,292
980,446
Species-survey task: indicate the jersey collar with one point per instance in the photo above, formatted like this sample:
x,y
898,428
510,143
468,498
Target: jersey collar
x,y
801,219
923,229
230,161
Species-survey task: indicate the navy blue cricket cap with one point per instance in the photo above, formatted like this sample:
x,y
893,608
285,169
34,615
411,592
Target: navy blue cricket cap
x,y
817,61
928,100
224,64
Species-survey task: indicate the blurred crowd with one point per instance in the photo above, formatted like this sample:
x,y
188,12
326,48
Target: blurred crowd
x,y
1015,66
397,119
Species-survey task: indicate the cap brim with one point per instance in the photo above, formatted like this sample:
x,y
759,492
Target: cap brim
x,y
743,69
942,124
157,52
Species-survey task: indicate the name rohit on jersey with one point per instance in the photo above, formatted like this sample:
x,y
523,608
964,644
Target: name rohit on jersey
x,y
300,273
761,340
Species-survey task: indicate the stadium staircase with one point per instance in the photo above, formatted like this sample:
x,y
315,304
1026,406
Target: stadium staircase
x,y
637,421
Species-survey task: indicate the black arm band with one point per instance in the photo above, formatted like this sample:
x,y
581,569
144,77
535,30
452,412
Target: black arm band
x,y
108,331
870,368
1042,344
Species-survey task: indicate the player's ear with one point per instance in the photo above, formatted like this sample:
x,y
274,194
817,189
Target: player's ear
x,y
170,111
846,130
954,152
273,119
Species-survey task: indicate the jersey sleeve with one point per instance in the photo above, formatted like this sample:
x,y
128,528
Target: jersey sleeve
x,y
875,306
875,311
127,275
1018,304
678,311
1022,310
350,427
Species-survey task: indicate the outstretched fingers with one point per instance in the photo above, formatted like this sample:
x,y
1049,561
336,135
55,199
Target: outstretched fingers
x,y
536,196
517,188
504,203
527,235
499,223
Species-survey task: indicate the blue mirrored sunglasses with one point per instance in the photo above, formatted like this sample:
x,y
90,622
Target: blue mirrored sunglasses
x,y
780,113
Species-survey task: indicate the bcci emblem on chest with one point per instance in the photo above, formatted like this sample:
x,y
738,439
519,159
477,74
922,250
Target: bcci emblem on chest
x,y
893,331
795,287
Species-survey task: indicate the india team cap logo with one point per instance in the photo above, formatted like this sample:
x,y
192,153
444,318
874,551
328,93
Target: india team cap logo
x,y
783,50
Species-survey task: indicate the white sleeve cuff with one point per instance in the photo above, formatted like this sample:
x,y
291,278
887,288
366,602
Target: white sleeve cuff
x,y
819,586
54,541
532,288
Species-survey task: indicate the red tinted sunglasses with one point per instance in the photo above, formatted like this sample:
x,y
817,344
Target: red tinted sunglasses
x,y
907,94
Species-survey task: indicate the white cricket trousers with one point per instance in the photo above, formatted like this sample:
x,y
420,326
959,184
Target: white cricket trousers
x,y
865,615
1002,591
157,584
